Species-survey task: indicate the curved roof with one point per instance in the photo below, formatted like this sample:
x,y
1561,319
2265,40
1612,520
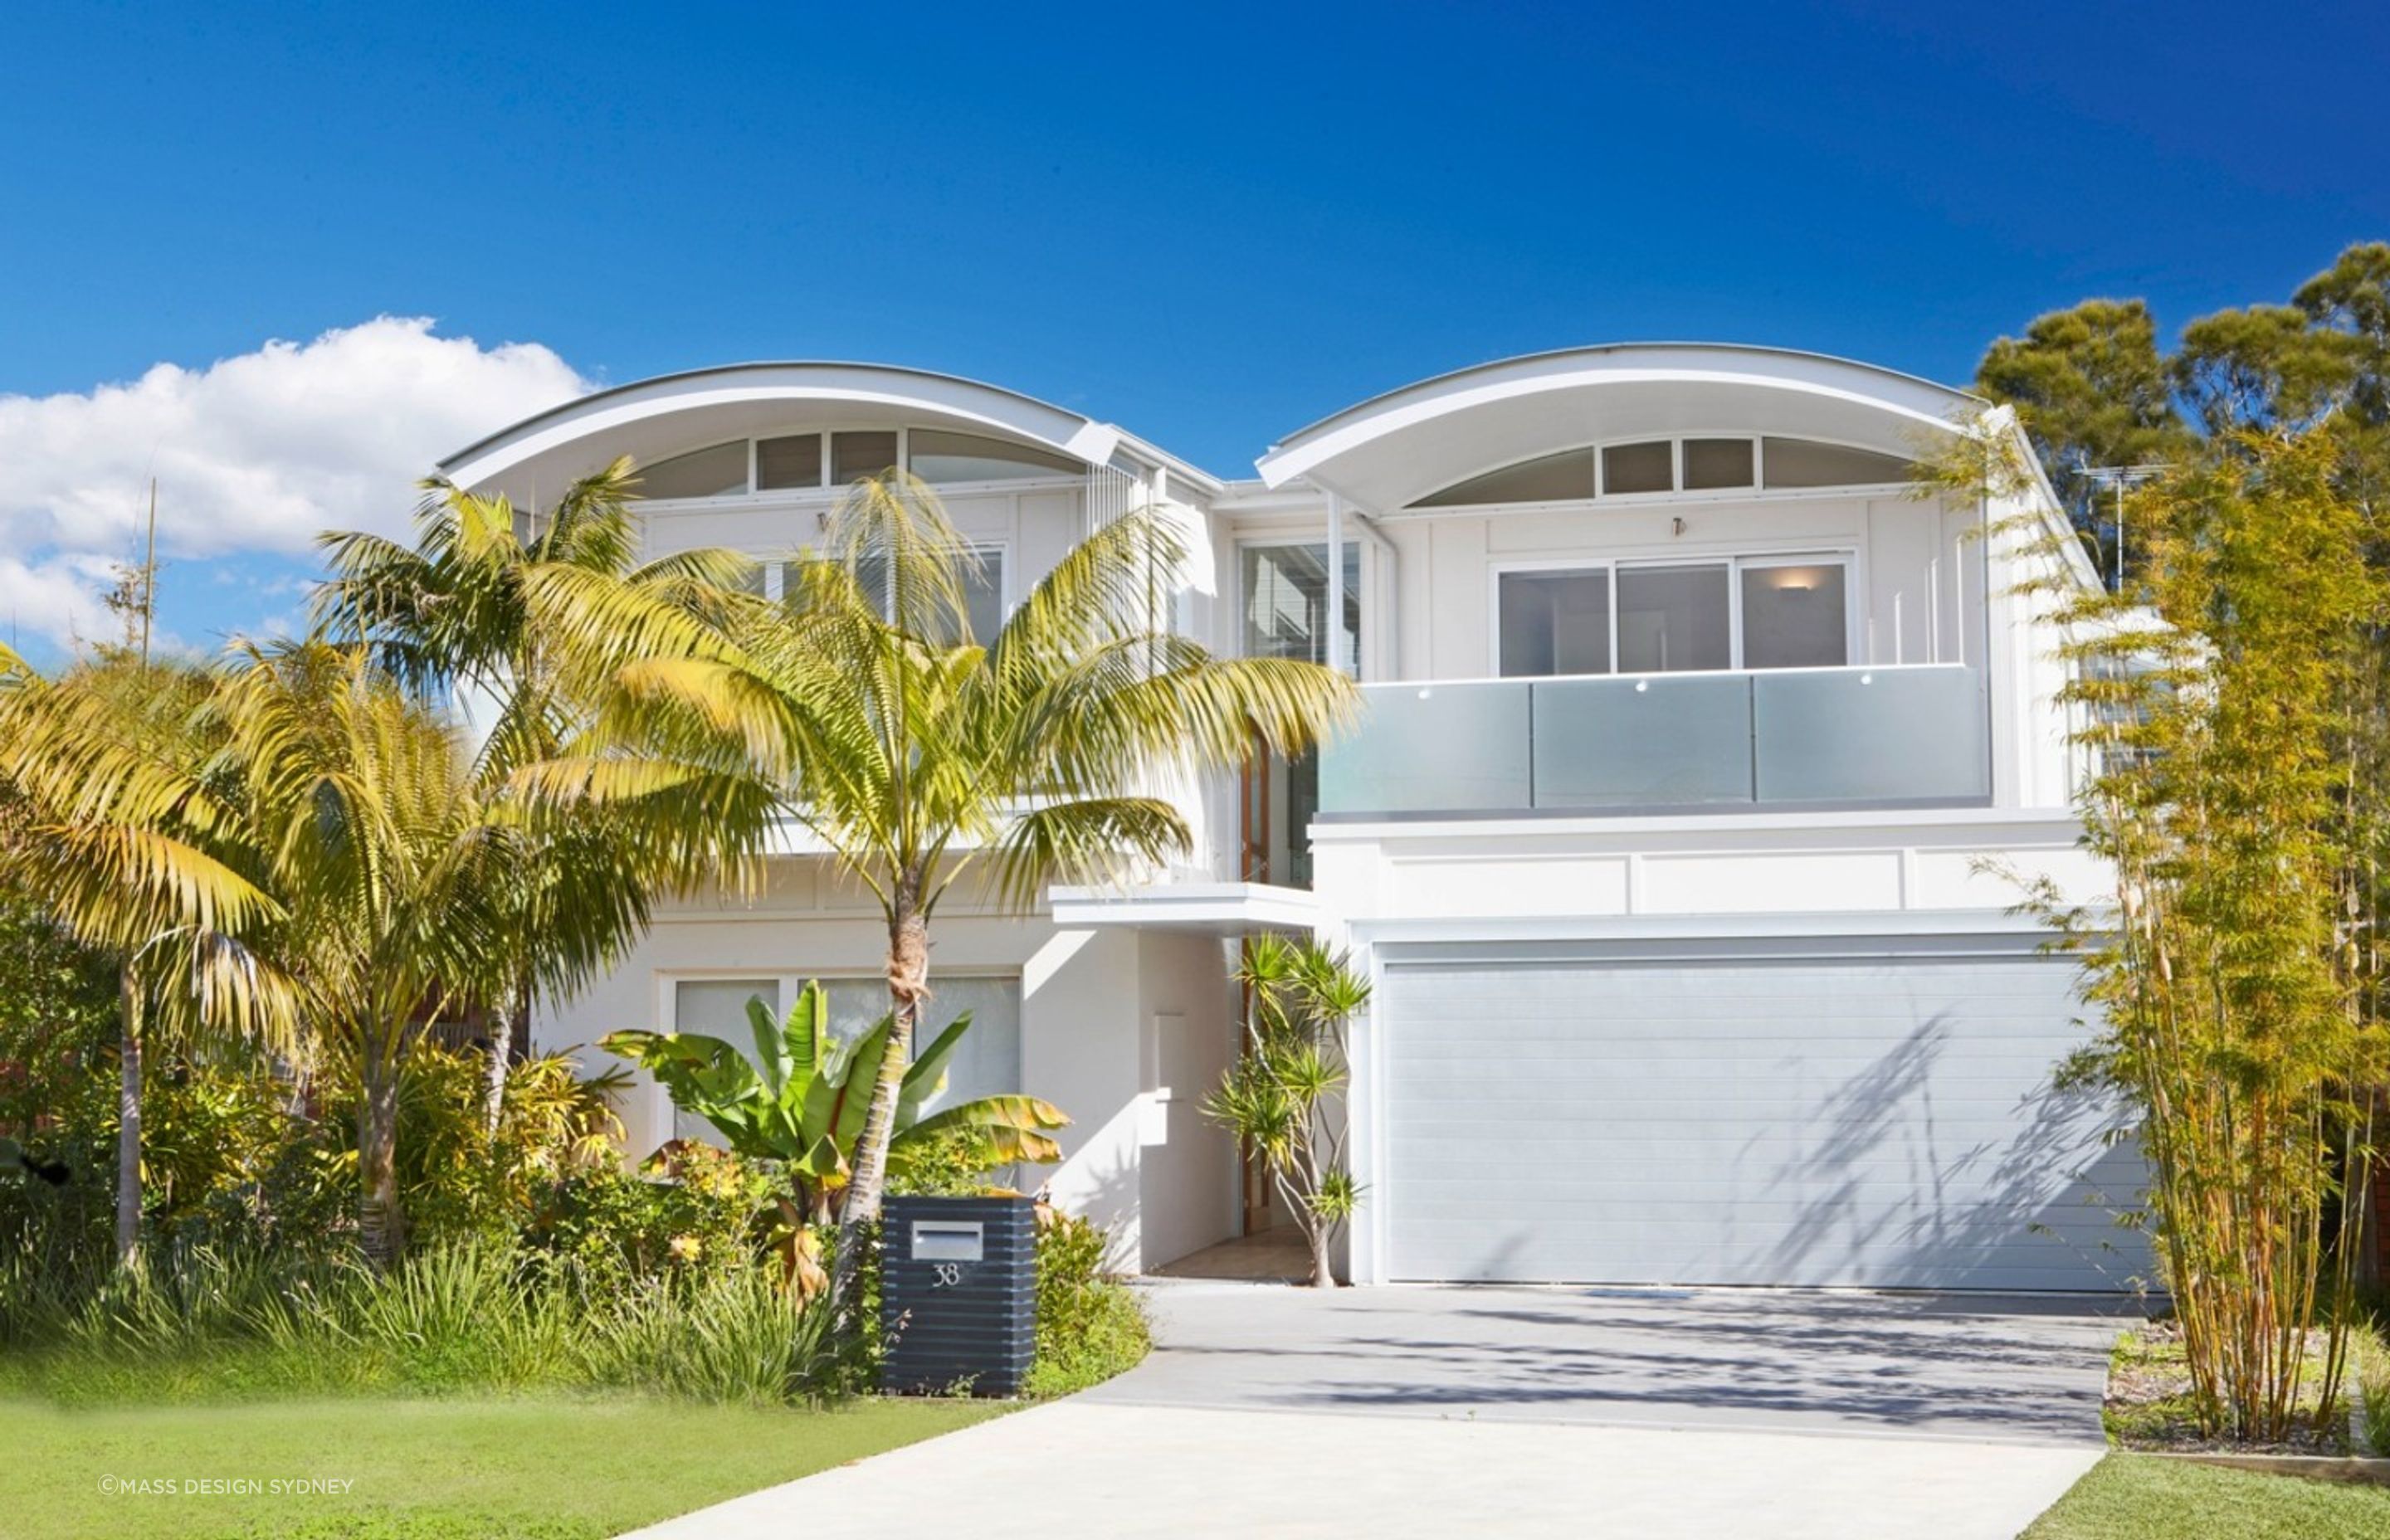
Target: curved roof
x,y
651,419
1390,450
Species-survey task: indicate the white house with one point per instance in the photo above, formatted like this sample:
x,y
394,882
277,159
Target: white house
x,y
1692,735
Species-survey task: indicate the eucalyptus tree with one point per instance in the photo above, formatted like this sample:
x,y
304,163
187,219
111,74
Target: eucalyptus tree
x,y
130,829
449,616
922,759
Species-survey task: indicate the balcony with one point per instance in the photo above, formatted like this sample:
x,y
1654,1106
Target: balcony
x,y
1912,736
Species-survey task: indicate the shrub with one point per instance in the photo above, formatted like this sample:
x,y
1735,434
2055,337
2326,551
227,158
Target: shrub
x,y
197,1323
737,1336
955,1164
692,1215
2373,1374
458,1180
1089,1326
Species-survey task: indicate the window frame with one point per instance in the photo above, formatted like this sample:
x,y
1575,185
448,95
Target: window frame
x,y
1675,440
1734,562
748,490
1364,570
828,491
1000,547
668,982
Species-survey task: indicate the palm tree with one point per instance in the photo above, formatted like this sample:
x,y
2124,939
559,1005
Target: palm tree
x,y
130,837
449,617
405,861
861,708
387,857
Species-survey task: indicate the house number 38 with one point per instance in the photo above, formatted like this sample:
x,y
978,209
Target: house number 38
x,y
948,1274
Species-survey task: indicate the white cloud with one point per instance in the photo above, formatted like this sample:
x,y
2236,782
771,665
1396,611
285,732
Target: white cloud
x,y
53,597
252,453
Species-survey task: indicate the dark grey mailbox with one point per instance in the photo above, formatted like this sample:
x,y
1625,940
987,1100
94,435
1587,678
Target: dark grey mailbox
x,y
958,1294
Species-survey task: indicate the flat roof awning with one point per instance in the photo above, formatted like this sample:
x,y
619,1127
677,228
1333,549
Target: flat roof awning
x,y
1225,909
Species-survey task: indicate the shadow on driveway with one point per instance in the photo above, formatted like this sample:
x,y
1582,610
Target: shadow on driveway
x,y
2027,1369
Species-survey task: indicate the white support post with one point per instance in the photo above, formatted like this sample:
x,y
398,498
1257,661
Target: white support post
x,y
1336,659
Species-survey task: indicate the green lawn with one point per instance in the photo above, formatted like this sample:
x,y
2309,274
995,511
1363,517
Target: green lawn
x,y
424,1469
2137,1497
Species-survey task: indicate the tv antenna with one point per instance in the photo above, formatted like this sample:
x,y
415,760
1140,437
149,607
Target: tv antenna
x,y
2120,477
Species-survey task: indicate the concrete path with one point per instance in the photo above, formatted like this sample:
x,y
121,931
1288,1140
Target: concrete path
x,y
1271,1412
1080,1469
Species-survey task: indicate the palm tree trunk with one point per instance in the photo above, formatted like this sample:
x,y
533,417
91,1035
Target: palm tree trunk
x,y
128,1120
909,970
379,1219
494,1078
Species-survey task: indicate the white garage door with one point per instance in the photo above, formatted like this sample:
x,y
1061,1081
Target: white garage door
x,y
1876,1121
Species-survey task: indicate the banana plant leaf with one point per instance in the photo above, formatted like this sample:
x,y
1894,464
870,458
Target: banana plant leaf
x,y
926,1075
803,1098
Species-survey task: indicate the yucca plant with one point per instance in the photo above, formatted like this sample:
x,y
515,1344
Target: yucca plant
x,y
1283,1097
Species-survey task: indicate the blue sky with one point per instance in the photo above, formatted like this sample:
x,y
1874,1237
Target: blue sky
x,y
1211,226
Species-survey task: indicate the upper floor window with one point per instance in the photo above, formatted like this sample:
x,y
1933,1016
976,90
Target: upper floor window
x,y
1724,463
938,455
1284,600
1807,463
805,462
713,472
1668,617
983,596
1552,479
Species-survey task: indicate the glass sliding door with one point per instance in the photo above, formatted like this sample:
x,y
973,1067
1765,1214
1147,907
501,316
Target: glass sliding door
x,y
986,1062
1554,622
1671,619
1795,614
983,592
1674,617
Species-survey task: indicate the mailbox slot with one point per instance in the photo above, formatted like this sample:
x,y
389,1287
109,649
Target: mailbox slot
x,y
947,1241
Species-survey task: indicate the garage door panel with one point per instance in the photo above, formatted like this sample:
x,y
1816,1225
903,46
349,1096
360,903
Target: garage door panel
x,y
1884,1121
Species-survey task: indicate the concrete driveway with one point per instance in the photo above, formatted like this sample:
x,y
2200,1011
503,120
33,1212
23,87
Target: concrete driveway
x,y
1268,1411
1904,1364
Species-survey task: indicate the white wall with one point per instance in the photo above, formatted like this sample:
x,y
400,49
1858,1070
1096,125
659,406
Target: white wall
x,y
1736,864
1153,1174
1187,1168
1905,566
1079,1051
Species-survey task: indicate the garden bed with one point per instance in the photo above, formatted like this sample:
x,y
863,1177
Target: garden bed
x,y
2148,1405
